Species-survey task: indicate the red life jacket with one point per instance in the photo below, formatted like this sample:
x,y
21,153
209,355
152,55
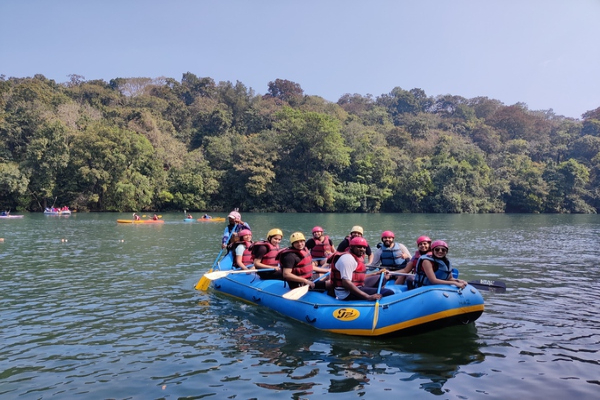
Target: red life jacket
x,y
358,276
247,258
304,268
270,257
321,249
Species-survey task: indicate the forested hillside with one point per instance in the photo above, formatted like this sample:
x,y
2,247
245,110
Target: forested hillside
x,y
140,144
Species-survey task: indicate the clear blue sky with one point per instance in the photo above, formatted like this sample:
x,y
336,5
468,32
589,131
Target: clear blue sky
x,y
544,53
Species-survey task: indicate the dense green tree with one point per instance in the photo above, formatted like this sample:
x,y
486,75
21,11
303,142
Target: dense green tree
x,y
113,169
311,151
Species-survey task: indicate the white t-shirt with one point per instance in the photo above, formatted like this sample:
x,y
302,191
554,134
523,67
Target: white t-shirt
x,y
377,255
346,265
239,249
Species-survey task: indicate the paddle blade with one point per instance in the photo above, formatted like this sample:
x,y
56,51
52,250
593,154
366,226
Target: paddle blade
x,y
203,284
295,294
216,275
375,316
492,286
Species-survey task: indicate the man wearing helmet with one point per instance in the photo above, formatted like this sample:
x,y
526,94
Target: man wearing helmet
x,y
320,246
356,231
265,255
348,272
296,263
235,224
435,268
390,255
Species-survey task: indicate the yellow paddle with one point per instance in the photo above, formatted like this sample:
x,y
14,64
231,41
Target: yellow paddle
x,y
376,313
204,282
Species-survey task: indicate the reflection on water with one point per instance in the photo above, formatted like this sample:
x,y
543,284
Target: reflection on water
x,y
111,313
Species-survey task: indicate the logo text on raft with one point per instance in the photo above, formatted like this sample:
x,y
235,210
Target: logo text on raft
x,y
346,314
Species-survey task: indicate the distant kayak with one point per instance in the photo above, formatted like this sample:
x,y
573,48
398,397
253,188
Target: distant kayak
x,y
216,219
189,220
10,216
141,221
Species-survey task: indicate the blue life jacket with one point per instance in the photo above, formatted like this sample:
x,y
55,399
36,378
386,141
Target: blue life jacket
x,y
442,270
391,257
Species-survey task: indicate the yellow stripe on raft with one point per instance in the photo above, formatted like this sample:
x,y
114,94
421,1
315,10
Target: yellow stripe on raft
x,y
412,323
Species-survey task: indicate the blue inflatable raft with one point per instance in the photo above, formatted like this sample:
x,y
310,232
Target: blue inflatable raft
x,y
403,313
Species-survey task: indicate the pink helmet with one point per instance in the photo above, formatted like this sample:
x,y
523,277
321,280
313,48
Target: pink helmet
x,y
388,234
359,241
423,239
317,229
244,232
234,215
439,243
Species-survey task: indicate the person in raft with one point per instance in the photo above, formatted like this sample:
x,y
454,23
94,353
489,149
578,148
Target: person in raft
x,y
389,255
435,268
356,231
242,249
348,272
136,217
320,246
235,224
155,217
297,266
189,216
264,254
424,247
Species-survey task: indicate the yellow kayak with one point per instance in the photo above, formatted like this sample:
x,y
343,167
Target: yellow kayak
x,y
215,219
141,221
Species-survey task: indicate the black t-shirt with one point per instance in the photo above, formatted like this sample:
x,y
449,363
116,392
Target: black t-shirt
x,y
259,251
289,259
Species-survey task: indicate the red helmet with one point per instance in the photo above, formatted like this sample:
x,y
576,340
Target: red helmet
x,y
439,243
359,241
388,234
244,232
423,239
317,229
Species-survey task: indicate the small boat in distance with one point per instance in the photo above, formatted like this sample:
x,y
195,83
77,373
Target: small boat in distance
x,y
140,221
57,211
11,216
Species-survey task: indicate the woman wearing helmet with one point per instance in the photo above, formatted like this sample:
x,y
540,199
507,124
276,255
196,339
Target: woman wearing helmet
x,y
296,263
243,250
424,247
265,253
320,246
356,231
348,273
435,268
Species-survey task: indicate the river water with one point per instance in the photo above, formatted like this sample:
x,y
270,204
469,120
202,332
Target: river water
x,y
98,310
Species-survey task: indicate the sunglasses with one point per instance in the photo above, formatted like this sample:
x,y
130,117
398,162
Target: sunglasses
x,y
441,249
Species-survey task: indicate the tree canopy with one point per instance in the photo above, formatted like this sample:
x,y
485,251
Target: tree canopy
x,y
135,144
